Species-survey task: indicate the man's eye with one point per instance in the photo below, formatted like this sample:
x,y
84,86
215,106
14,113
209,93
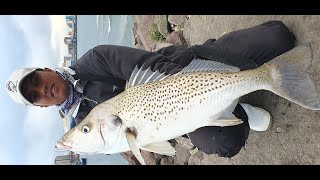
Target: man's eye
x,y
36,81
34,97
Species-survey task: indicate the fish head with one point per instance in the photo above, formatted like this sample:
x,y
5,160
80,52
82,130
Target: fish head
x,y
98,131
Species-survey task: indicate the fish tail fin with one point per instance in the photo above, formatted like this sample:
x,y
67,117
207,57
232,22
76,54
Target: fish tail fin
x,y
291,79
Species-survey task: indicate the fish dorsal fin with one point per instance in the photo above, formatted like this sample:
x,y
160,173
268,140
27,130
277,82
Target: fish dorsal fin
x,y
140,76
163,148
198,65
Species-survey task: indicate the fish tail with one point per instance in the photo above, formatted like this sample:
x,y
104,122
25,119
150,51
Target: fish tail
x,y
291,79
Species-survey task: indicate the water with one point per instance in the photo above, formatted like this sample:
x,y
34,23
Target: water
x,y
96,30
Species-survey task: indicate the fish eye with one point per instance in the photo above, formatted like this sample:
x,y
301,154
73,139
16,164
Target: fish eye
x,y
85,129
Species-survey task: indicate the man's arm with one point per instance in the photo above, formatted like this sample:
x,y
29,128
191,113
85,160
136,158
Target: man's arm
x,y
118,62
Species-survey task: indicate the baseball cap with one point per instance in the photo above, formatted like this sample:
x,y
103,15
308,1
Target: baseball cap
x,y
13,85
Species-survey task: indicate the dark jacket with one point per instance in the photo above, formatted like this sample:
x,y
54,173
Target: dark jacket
x,y
103,72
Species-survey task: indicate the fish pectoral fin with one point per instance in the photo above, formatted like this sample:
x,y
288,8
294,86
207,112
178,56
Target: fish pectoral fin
x,y
132,142
225,122
163,148
227,119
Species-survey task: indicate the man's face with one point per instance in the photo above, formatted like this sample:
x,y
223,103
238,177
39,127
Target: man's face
x,y
45,88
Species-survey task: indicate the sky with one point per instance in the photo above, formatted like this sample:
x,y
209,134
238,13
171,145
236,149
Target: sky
x,y
28,134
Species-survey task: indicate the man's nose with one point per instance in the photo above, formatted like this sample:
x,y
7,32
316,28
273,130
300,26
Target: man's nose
x,y
44,89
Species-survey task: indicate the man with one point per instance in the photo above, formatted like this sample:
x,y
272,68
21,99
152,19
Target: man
x,y
102,72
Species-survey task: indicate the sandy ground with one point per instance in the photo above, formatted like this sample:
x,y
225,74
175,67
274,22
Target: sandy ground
x,y
295,135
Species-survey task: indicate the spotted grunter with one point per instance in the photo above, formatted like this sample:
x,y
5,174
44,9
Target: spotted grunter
x,y
155,108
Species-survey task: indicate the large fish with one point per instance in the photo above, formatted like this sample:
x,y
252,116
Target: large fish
x,y
155,108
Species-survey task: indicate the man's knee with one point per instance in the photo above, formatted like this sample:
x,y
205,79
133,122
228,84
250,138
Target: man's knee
x,y
280,35
226,141
209,41
274,22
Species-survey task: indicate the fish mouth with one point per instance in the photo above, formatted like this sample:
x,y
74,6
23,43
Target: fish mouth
x,y
64,145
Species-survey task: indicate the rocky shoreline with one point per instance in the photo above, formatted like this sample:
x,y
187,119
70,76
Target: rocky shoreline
x,y
170,27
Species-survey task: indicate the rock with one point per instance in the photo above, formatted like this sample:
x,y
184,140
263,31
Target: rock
x,y
198,154
142,26
149,158
183,147
171,159
279,130
178,20
137,41
176,38
162,22
194,161
165,161
178,28
143,32
158,156
185,142
137,18
160,45
132,160
140,46
182,155
194,151
134,29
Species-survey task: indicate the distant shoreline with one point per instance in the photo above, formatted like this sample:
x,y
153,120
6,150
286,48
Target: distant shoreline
x,y
75,34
